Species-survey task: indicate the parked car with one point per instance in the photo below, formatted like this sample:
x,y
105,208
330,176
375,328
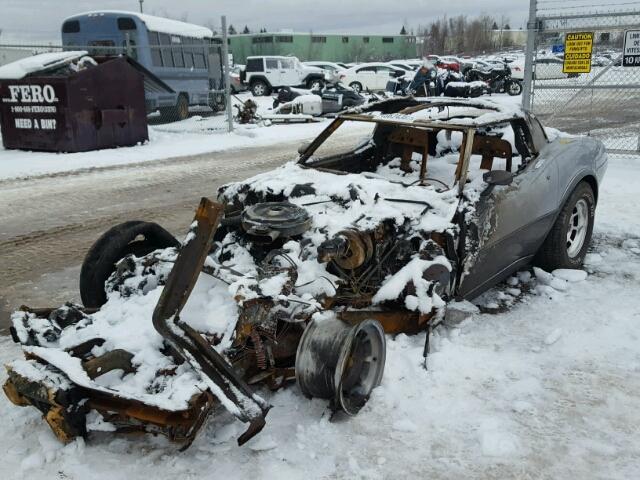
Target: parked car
x,y
370,76
403,65
235,74
263,74
303,269
332,70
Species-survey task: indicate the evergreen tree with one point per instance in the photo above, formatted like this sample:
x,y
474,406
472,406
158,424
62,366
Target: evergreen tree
x,y
232,31
495,26
403,31
246,30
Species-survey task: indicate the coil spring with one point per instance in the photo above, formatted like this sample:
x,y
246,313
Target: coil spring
x,y
261,356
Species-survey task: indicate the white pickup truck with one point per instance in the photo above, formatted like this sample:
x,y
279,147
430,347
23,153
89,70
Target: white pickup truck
x,y
264,74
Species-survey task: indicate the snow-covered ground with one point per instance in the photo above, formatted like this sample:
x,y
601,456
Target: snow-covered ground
x,y
547,386
195,135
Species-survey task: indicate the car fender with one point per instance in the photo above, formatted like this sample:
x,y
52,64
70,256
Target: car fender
x,y
253,78
590,165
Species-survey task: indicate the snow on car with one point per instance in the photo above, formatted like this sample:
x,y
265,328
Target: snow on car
x,y
295,274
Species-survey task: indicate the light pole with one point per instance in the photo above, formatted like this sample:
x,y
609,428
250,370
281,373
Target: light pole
x,y
141,2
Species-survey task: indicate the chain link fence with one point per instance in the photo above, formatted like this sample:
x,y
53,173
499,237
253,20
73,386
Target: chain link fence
x,y
194,72
602,103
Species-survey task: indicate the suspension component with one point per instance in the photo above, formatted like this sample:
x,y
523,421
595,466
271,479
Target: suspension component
x,y
349,249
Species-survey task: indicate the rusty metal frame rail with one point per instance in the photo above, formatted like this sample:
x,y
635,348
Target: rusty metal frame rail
x,y
189,344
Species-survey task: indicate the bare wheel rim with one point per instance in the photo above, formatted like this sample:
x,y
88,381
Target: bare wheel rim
x,y
577,230
356,87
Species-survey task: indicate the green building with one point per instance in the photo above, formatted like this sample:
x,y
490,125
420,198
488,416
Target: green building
x,y
327,47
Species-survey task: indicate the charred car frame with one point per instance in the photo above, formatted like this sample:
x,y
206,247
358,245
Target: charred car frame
x,y
297,273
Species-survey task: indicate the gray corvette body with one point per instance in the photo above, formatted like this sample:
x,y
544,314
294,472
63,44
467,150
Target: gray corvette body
x,y
518,217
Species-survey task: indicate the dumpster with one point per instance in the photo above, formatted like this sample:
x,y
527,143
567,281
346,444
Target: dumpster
x,y
69,102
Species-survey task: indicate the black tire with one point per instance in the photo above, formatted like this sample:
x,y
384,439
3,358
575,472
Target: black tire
x,y
356,86
113,245
556,251
514,88
259,88
315,84
179,112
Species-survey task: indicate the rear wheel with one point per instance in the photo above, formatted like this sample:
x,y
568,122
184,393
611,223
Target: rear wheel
x,y
135,237
259,88
568,241
356,86
179,112
514,88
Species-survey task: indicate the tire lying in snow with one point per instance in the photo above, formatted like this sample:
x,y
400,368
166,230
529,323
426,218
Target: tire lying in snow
x,y
135,237
568,241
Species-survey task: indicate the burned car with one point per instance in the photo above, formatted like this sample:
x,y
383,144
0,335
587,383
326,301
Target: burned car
x,y
296,274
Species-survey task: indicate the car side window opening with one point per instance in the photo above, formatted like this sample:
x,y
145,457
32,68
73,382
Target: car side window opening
x,y
287,63
367,69
272,63
255,65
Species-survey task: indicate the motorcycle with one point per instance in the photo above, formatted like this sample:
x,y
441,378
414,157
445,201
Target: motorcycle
x,y
433,86
498,80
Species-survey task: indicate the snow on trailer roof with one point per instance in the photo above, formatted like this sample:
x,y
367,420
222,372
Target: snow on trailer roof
x,y
157,24
38,63
452,112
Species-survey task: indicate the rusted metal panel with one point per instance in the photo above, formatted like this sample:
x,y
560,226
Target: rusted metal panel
x,y
98,107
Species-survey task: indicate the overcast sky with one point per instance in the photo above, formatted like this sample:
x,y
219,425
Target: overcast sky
x,y
40,20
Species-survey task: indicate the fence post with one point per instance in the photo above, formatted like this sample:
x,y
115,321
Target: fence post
x,y
532,28
226,68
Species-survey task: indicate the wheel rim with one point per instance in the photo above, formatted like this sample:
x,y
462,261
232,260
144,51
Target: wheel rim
x,y
577,231
514,88
258,89
355,87
316,85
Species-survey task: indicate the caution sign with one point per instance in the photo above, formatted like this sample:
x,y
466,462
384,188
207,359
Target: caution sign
x,y
577,52
631,50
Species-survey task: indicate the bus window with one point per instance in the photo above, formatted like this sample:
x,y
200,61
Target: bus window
x,y
125,23
154,44
72,26
176,51
167,58
199,60
188,55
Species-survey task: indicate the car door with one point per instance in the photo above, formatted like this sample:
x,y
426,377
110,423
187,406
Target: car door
x,y
511,222
288,72
383,75
367,77
272,71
